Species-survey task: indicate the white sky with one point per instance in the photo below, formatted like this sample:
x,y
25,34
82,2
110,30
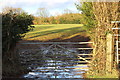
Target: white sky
x,y
31,6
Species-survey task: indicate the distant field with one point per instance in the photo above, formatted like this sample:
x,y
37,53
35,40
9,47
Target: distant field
x,y
54,31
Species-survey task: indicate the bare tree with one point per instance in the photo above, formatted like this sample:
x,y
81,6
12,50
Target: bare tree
x,y
15,10
68,11
43,12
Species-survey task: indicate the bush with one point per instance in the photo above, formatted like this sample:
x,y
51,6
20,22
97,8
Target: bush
x,y
14,25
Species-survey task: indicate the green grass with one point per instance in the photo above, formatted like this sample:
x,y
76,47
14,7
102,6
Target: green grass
x,y
54,31
105,76
114,74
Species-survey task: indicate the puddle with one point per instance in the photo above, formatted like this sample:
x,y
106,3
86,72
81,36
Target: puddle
x,y
53,63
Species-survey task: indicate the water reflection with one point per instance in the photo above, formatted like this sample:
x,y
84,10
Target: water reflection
x,y
57,72
53,63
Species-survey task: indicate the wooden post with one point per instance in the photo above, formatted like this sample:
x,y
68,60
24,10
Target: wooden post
x,y
109,53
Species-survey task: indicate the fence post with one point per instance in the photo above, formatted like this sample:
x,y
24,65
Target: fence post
x,y
109,52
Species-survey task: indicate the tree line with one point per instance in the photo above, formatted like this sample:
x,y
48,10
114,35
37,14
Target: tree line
x,y
71,18
44,17
68,17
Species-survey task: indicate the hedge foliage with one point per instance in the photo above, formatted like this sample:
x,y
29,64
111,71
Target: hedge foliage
x,y
14,25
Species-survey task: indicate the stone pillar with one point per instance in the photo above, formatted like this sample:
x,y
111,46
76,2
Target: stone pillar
x,y
109,52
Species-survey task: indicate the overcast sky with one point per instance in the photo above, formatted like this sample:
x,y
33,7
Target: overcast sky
x,y
31,6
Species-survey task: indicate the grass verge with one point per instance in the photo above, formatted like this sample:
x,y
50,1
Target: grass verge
x,y
113,74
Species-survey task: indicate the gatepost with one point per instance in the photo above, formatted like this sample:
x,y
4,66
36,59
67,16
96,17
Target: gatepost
x,y
109,52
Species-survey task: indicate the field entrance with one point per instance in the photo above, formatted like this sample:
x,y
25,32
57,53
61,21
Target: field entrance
x,y
56,59
65,57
